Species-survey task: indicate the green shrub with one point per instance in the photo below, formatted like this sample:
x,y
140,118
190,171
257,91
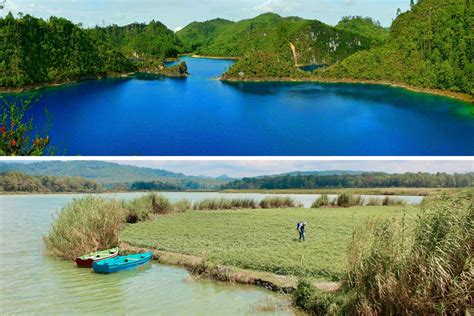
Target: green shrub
x,y
388,201
323,200
85,225
182,206
225,204
160,204
144,207
425,269
304,295
348,200
374,202
319,302
277,202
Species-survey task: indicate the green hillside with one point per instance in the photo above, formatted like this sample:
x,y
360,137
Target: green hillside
x,y
364,26
271,46
35,51
107,173
314,41
18,182
200,34
430,46
152,40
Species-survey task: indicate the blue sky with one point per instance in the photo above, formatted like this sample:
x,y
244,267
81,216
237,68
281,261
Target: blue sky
x,y
249,168
178,13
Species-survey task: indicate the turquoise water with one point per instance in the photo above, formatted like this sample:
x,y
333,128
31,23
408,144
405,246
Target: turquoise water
x,y
33,283
203,116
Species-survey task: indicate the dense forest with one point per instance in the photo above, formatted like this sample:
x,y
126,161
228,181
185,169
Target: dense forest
x,y
181,185
19,182
270,45
34,51
366,180
140,41
365,26
429,46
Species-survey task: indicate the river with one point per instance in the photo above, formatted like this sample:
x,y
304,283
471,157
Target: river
x,y
33,283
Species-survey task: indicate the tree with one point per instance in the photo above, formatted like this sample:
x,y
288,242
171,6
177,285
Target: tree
x,y
17,131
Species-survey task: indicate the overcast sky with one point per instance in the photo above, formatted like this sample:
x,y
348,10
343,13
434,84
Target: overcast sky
x,y
250,168
178,13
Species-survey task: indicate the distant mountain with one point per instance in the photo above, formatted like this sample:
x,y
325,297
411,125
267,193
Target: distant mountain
x,y
324,173
313,41
108,173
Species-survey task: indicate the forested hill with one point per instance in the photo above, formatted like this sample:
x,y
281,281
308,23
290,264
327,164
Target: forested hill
x,y
364,26
199,35
366,180
35,51
314,41
429,46
152,40
18,182
109,174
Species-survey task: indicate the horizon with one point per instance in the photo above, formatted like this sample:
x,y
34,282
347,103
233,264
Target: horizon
x,y
329,12
257,168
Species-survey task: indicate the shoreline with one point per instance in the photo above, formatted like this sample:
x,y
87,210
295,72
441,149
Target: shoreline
x,y
211,57
444,93
36,87
423,192
200,267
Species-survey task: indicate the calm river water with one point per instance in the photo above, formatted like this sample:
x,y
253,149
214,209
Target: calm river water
x,y
33,283
203,116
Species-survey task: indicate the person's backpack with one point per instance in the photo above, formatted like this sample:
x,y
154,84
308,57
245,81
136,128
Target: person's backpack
x,y
298,226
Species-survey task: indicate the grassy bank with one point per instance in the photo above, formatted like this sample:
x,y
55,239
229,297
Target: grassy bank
x,y
262,239
355,191
397,266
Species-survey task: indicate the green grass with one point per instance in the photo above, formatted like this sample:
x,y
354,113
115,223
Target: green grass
x,y
263,239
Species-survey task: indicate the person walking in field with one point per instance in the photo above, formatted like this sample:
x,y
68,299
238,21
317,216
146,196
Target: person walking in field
x,y
301,226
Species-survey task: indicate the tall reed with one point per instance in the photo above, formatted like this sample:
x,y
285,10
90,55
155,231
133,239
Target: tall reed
x,y
85,225
225,204
323,200
424,269
277,202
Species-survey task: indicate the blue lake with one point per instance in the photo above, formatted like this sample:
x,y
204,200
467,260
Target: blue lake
x,y
203,116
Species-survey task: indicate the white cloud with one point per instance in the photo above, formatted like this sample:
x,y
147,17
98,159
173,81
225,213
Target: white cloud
x,y
179,28
281,6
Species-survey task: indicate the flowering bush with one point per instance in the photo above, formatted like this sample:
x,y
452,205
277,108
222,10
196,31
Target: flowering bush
x,y
16,131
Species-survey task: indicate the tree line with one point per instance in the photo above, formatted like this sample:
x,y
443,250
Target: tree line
x,y
19,182
368,180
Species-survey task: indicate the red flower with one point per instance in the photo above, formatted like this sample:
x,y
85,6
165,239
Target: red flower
x,y
14,143
3,129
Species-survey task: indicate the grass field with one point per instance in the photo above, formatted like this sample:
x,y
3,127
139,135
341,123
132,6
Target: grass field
x,y
263,239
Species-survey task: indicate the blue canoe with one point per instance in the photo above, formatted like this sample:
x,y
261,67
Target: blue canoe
x,y
121,263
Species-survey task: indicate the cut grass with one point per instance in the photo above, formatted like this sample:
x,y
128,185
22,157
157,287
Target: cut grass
x,y
264,239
